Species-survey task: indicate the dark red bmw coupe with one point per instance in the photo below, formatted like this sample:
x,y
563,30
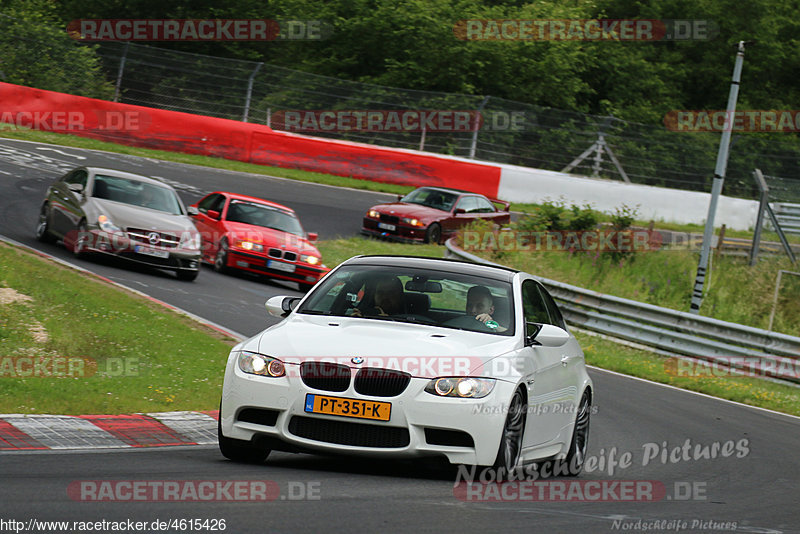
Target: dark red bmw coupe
x,y
431,215
248,233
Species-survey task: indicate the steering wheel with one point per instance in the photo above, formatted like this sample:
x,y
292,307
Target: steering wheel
x,y
468,322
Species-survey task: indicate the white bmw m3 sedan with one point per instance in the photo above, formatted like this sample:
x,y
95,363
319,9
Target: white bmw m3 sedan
x,y
394,356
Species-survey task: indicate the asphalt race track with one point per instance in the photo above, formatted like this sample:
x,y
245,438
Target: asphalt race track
x,y
747,480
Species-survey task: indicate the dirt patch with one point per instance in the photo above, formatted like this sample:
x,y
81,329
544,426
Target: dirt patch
x,y
10,296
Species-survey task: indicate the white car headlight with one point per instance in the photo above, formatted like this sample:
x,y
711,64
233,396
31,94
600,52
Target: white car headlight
x,y
463,387
258,364
308,258
107,226
248,245
413,222
373,214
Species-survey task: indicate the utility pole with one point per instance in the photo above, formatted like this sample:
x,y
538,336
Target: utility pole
x,y
719,179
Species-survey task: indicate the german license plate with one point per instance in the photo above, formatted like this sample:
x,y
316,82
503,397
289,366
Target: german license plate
x,y
361,409
147,251
385,226
280,266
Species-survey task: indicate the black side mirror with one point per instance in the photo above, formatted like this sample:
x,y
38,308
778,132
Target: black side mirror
x,y
531,331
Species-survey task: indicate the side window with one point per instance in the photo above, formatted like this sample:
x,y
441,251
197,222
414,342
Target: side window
x,y
555,314
533,304
219,203
468,204
483,205
211,202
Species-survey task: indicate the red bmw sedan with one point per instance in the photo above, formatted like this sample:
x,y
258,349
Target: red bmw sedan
x,y
259,236
431,215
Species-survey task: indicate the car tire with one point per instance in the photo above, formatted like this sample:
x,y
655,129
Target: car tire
x,y
221,258
433,234
79,249
187,275
508,453
43,226
576,456
238,450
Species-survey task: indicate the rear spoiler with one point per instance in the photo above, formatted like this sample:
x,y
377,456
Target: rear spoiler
x,y
506,205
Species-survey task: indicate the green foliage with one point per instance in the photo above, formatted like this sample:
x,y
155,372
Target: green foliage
x,y
557,216
623,217
582,218
36,51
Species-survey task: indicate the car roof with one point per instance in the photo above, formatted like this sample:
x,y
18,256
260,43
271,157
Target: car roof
x,y
497,272
237,196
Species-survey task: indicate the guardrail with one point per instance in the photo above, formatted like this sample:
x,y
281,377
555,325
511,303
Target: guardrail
x,y
726,345
788,216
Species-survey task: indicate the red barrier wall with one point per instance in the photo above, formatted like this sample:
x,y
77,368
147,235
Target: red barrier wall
x,y
197,134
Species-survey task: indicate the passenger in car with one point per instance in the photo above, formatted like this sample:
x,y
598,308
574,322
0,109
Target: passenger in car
x,y
389,298
480,305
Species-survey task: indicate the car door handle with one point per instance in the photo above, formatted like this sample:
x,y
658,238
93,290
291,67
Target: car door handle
x,y
565,359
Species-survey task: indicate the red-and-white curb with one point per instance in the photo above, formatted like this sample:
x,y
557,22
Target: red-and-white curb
x,y
43,432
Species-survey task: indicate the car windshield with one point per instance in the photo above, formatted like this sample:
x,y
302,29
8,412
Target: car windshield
x,y
432,198
262,215
136,193
415,295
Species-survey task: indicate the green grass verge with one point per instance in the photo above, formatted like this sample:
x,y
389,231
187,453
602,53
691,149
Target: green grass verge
x,y
111,351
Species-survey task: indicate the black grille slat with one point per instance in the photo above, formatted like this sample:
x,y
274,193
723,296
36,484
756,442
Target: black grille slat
x,y
258,416
448,438
378,382
326,376
392,219
282,254
346,433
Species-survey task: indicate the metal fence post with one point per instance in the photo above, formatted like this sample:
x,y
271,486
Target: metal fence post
x,y
250,92
762,206
719,179
117,87
477,127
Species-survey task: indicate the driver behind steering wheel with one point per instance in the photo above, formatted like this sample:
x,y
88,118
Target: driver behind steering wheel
x,y
480,305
